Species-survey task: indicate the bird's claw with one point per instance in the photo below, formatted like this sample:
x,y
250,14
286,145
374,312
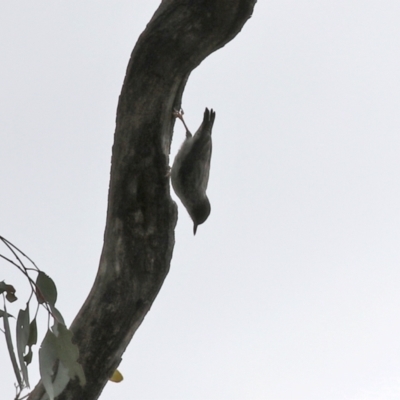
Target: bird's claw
x,y
178,114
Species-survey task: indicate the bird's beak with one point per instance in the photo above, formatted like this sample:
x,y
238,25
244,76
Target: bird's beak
x,y
194,229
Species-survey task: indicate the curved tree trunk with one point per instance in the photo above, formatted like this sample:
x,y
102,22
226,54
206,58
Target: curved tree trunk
x,y
141,217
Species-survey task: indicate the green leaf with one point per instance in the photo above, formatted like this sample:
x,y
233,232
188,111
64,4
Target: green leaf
x,y
58,318
28,356
32,339
47,289
4,287
10,347
22,340
3,312
11,297
10,291
47,359
69,353
61,380
59,348
32,333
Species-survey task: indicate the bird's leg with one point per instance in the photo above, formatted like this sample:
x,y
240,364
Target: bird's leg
x,y
179,114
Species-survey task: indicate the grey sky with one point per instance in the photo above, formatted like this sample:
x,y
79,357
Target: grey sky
x,y
290,290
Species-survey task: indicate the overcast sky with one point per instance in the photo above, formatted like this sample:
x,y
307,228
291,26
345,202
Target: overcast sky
x,y
290,290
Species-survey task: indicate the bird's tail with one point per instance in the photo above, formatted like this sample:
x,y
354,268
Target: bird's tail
x,y
208,120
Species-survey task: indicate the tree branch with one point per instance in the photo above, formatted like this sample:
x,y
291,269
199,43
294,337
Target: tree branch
x,y
141,216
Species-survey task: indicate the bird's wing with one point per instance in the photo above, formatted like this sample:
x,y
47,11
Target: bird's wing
x,y
195,158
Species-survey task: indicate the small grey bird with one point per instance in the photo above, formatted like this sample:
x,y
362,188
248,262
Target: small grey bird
x,y
191,169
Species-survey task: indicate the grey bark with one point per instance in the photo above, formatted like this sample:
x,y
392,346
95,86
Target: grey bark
x,y
141,216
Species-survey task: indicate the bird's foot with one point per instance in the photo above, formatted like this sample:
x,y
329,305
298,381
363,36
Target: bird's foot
x,y
178,114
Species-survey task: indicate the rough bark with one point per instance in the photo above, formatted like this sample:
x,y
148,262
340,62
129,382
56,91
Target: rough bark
x,y
141,217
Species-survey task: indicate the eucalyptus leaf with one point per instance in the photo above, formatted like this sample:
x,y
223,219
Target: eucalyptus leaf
x,y
10,291
58,359
68,354
28,356
57,315
4,287
22,340
47,359
32,333
61,380
32,339
10,347
47,288
8,315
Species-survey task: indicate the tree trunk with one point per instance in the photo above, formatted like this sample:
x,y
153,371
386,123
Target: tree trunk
x,y
141,216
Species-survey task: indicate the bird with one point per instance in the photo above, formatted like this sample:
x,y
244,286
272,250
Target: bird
x,y
191,169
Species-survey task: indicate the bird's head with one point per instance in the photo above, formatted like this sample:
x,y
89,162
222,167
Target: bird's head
x,y
200,213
